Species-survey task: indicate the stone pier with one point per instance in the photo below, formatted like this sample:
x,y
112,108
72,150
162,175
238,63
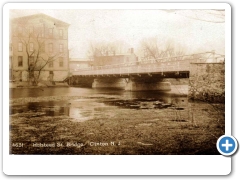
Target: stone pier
x,y
81,81
132,83
109,82
147,84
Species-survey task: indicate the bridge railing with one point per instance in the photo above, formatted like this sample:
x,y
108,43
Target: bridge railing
x,y
167,64
137,68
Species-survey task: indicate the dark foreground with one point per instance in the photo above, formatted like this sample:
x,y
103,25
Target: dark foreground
x,y
146,127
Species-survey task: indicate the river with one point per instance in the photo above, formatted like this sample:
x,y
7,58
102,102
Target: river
x,y
91,100
148,122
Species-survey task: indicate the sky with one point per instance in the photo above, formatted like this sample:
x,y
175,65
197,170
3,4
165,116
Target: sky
x,y
195,30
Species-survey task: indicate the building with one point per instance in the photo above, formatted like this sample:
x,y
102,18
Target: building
x,y
116,59
38,48
76,64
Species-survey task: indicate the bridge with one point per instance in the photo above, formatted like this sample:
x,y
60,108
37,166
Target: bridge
x,y
146,67
146,74
178,64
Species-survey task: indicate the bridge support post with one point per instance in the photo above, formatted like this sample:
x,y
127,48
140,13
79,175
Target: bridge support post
x,y
109,82
81,81
147,84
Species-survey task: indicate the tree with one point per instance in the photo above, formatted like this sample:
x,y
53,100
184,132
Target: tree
x,y
150,48
105,48
156,49
37,57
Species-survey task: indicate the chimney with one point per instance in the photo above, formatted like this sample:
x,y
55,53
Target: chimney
x,y
132,50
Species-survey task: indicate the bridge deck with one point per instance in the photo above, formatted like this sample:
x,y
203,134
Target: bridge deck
x,y
160,67
153,66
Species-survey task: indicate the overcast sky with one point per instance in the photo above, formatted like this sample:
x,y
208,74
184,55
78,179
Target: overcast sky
x,y
131,26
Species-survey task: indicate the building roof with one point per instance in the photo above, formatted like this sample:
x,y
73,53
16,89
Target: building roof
x,y
41,15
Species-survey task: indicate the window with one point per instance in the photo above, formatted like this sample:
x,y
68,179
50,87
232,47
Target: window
x,y
31,47
42,47
20,46
50,32
20,31
50,64
60,47
60,33
20,61
61,62
41,34
10,62
50,47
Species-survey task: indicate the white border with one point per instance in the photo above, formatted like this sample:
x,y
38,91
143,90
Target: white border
x,y
114,165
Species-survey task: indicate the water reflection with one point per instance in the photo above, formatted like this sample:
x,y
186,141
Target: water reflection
x,y
79,110
85,109
178,103
57,111
75,91
41,108
51,91
93,107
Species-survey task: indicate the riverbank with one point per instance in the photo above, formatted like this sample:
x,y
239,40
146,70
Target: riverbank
x,y
20,84
112,129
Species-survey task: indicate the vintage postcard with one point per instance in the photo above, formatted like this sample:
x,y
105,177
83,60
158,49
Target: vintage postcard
x,y
118,79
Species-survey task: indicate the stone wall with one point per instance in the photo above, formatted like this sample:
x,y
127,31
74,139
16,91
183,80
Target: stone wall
x,y
143,86
177,81
116,83
207,82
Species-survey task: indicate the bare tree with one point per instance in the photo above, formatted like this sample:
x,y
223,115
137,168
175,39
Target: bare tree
x,y
157,50
37,57
150,48
105,48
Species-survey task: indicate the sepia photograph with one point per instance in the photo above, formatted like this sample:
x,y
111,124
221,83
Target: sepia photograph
x,y
116,81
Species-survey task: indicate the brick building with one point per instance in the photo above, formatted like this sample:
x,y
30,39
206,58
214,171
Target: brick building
x,y
76,64
38,43
116,59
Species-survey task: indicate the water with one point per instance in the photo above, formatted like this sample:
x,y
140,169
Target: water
x,y
93,103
